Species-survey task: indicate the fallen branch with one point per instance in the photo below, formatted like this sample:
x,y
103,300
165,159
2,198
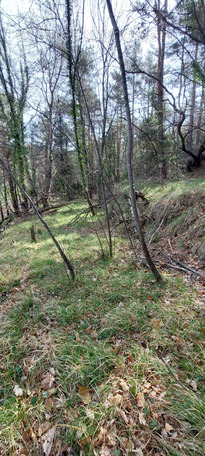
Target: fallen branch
x,y
49,208
168,265
181,268
187,268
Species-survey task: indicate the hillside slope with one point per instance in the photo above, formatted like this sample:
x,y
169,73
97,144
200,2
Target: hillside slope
x,y
111,364
176,212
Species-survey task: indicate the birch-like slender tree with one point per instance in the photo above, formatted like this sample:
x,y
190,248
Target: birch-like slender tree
x,y
138,227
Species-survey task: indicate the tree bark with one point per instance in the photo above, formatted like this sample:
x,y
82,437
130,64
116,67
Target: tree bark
x,y
1,212
100,169
152,266
161,33
192,109
72,68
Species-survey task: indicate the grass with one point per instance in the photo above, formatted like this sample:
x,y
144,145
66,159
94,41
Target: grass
x,y
85,353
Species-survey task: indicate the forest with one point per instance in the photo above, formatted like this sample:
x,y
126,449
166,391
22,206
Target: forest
x,y
102,228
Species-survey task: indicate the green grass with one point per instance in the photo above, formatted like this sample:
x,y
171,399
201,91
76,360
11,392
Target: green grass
x,y
114,324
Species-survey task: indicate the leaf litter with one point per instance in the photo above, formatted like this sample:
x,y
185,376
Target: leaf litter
x,y
133,412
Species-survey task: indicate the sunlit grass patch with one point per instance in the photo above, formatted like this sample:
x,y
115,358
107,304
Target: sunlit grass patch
x,y
112,328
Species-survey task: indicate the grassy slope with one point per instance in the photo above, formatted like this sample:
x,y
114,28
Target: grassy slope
x,y
180,206
113,364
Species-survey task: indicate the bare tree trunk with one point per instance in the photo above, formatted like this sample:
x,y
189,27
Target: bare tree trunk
x,y
198,134
63,256
1,212
118,145
192,109
155,272
5,193
13,192
161,32
72,67
98,152
48,157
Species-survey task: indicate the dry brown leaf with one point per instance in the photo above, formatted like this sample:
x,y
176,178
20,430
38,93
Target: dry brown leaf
x,y
200,293
23,452
139,452
142,419
147,386
194,386
27,436
84,394
161,396
94,335
32,433
90,414
164,434
130,359
126,445
122,414
152,394
106,403
105,451
127,405
58,447
168,427
83,442
47,441
123,385
140,400
44,427
115,400
117,347
111,436
49,403
99,439
48,381
89,329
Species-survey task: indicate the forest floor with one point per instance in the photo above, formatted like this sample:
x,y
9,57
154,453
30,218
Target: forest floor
x,y
112,363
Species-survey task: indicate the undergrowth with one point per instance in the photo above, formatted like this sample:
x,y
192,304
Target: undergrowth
x,y
111,364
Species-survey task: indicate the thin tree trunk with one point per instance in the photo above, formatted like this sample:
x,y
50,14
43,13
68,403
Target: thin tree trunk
x,y
161,32
63,256
155,272
72,67
192,110
118,145
1,212
5,193
13,192
198,134
100,168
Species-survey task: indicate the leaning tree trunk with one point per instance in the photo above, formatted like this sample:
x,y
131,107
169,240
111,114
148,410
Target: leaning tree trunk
x,y
63,256
152,266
